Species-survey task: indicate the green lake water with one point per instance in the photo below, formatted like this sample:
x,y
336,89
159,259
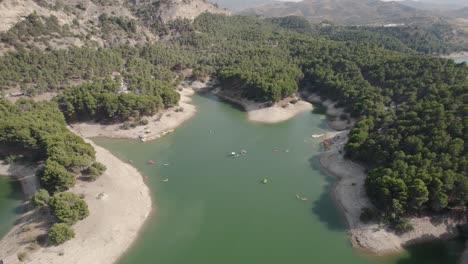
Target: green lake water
x,y
214,209
461,59
10,202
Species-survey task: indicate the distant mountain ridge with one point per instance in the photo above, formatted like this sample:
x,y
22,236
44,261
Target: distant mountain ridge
x,y
346,12
239,4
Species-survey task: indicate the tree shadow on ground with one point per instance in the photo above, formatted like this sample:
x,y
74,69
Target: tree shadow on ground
x,y
325,208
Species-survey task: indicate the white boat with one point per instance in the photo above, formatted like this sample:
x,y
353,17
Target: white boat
x,y
165,180
317,135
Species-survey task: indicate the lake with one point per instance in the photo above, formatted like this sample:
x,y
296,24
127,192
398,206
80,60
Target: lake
x,y
213,208
10,202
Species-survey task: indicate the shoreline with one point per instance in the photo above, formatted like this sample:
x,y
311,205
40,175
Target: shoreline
x,y
262,113
349,193
105,235
455,55
114,223
166,120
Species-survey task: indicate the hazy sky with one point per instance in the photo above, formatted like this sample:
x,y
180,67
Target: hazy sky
x,y
241,4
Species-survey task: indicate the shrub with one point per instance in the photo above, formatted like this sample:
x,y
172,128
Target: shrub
x,y
125,126
41,198
60,233
55,177
368,214
143,122
96,170
22,256
68,208
10,159
402,225
343,117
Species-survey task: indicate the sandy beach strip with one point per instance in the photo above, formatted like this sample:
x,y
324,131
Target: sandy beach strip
x,y
259,112
119,203
455,55
350,194
165,120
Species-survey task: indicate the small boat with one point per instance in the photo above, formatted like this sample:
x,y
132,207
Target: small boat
x,y
304,199
166,164
298,197
233,154
243,152
151,162
317,135
165,180
265,181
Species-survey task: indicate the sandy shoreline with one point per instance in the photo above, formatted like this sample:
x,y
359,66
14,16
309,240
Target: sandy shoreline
x,y
259,112
114,219
349,192
101,238
455,55
168,119
172,118
334,114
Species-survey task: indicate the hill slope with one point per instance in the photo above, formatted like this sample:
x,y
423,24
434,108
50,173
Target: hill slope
x,y
51,24
343,11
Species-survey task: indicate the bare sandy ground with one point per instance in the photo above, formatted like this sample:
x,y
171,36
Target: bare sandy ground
x,y
455,55
119,203
333,113
259,112
166,120
350,193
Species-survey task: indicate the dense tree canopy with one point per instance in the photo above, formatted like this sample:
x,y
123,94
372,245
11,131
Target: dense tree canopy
x,y
68,207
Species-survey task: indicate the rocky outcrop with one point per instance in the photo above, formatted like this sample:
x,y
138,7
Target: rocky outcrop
x,y
190,9
93,22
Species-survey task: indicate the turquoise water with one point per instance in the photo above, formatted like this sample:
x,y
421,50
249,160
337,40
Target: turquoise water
x,y
214,209
10,201
461,59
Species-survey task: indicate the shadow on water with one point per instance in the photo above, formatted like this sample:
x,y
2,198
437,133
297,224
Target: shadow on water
x,y
15,193
207,94
321,208
324,124
441,252
319,109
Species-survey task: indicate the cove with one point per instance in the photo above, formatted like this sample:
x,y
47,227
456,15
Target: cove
x,y
213,208
10,203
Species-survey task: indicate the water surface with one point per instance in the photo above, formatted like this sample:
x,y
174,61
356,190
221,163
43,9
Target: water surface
x,y
10,201
461,59
213,208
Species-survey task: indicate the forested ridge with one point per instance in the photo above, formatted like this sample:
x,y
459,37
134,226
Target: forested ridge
x,y
411,107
